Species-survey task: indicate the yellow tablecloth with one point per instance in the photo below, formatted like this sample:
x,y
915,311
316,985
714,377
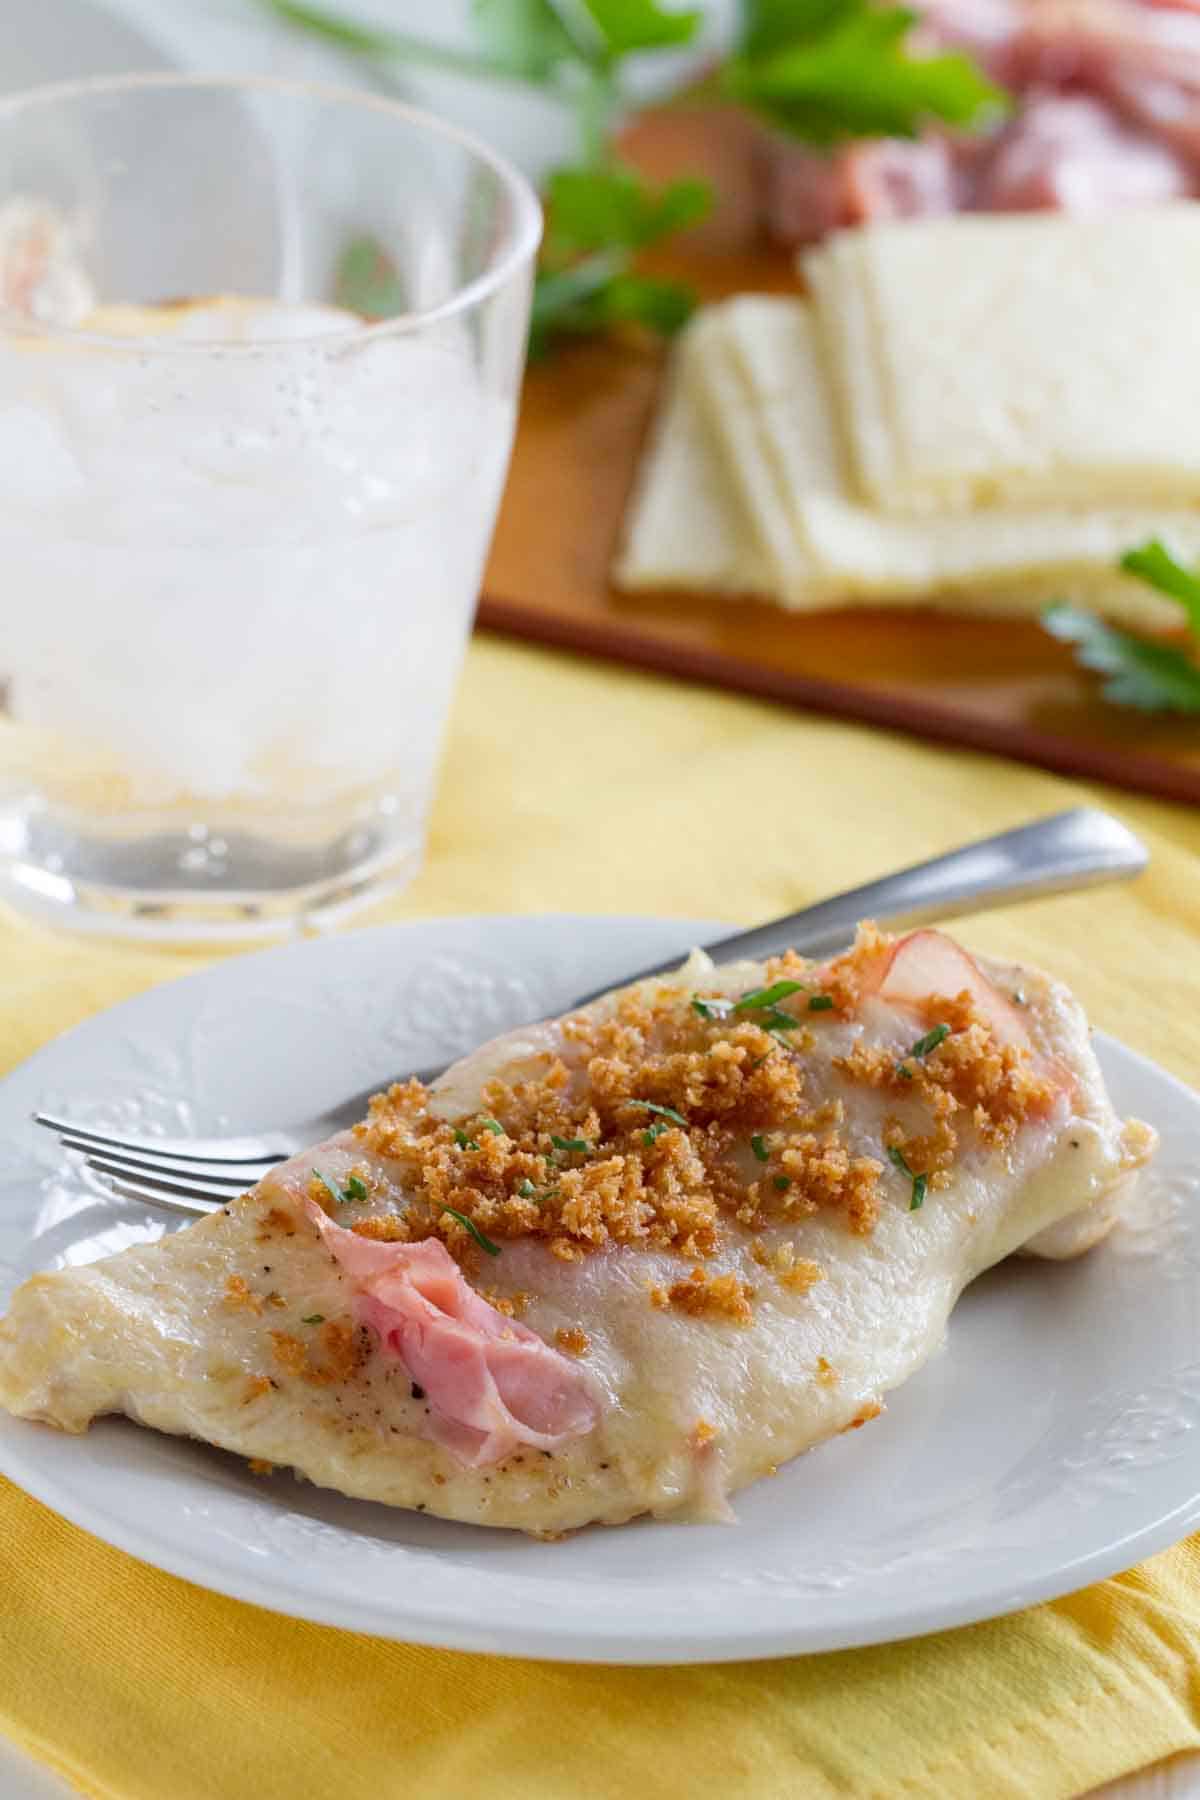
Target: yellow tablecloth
x,y
573,787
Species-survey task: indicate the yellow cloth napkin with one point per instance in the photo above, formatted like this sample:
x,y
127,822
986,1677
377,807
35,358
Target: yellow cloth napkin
x,y
573,787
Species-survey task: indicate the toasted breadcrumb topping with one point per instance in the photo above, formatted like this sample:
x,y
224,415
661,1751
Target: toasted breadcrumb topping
x,y
238,1296
637,1133
573,1340
968,1079
341,1352
258,1465
669,1122
707,1296
794,1272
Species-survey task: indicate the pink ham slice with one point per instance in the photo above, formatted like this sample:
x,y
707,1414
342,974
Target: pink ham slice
x,y
1107,114
492,1384
1067,152
926,962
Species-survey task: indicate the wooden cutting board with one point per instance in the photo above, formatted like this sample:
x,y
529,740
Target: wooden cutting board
x,y
996,685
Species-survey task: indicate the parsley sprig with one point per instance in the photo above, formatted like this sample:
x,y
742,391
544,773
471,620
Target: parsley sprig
x,y
485,1243
821,70
355,1188
920,1183
1140,672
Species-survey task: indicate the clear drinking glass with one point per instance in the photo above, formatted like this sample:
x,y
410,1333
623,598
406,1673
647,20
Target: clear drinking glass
x,y
241,527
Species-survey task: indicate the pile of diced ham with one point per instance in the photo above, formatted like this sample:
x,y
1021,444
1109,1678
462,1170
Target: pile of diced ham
x,y
1107,113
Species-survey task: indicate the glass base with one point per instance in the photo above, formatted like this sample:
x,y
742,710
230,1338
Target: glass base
x,y
187,888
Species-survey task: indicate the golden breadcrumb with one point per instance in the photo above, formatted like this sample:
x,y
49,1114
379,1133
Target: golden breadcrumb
x,y
342,1351
238,1296
707,1296
276,1220
258,1465
571,1339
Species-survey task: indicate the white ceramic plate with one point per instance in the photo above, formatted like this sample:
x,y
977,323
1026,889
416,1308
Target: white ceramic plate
x,y
1053,1441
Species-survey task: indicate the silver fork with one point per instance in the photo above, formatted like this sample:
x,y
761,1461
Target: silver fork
x,y
1070,850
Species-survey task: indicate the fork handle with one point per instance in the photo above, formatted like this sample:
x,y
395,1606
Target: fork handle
x,y
1069,850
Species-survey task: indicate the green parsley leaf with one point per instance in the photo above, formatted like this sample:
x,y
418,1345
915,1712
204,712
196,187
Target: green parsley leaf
x,y
651,1136
664,1112
345,33
775,1019
339,1198
1150,676
494,1126
561,1143
783,1182
525,38
463,1141
826,70
924,1045
356,1188
527,1190
629,25
366,281
485,1243
599,292
920,1183
821,1003
314,1319
904,1072
1153,563
759,998
759,1147
612,207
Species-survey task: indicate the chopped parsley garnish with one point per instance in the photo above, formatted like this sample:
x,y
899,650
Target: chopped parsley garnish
x,y
760,998
341,1196
783,1182
924,1045
664,1112
494,1126
485,1243
314,1319
1140,671
561,1143
651,1136
758,1145
463,1141
527,1189
775,1019
904,1072
821,1003
711,1009
920,1183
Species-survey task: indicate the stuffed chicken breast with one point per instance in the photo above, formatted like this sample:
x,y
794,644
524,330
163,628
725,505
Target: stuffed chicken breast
x,y
621,1262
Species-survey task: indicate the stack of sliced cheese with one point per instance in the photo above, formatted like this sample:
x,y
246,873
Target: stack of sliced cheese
x,y
978,412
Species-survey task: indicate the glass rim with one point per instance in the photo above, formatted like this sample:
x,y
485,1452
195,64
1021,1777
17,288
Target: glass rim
x,y
524,233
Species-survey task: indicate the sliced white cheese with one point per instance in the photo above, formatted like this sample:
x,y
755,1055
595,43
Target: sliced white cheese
x,y
764,394
684,526
1020,359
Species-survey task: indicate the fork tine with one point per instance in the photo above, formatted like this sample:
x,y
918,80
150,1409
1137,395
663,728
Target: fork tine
x,y
206,1150
237,1177
162,1184
134,1190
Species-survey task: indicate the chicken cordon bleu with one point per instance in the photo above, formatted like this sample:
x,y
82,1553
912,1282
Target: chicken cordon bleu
x,y
622,1262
